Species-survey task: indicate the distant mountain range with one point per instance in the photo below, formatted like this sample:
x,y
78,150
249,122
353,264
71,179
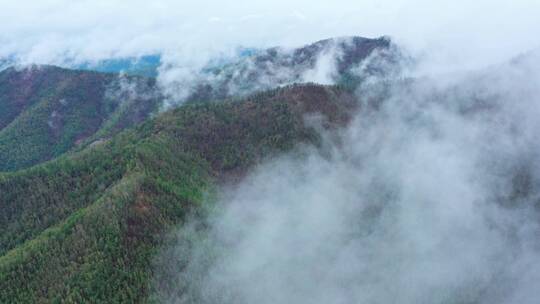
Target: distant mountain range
x,y
137,66
345,61
146,65
252,69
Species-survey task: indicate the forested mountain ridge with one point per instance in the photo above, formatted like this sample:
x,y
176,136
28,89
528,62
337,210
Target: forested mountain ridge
x,y
84,227
48,111
344,60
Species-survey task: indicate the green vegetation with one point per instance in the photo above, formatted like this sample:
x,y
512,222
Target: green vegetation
x,y
85,227
46,111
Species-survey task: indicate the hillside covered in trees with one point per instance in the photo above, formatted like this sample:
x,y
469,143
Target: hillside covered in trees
x,y
85,227
47,111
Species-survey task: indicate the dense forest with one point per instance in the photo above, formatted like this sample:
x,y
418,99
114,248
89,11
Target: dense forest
x,y
84,227
47,111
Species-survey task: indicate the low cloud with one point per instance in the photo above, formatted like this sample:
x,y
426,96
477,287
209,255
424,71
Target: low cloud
x,y
431,197
325,70
464,33
342,60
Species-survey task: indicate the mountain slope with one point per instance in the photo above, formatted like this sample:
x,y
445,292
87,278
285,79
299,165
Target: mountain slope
x,y
85,226
48,110
345,61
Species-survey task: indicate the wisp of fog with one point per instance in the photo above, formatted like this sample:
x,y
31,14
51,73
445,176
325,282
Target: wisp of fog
x,y
431,196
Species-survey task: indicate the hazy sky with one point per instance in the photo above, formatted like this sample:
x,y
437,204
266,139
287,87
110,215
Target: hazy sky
x,y
463,31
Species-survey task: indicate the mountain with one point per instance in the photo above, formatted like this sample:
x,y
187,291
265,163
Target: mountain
x,y
47,110
146,65
85,226
345,61
4,64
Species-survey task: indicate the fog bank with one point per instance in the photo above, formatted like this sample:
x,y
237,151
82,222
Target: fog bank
x,y
431,197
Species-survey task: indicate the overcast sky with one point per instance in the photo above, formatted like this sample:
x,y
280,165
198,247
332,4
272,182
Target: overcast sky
x,y
464,31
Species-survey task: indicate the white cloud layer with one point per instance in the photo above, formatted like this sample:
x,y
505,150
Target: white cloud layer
x,y
468,33
432,196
